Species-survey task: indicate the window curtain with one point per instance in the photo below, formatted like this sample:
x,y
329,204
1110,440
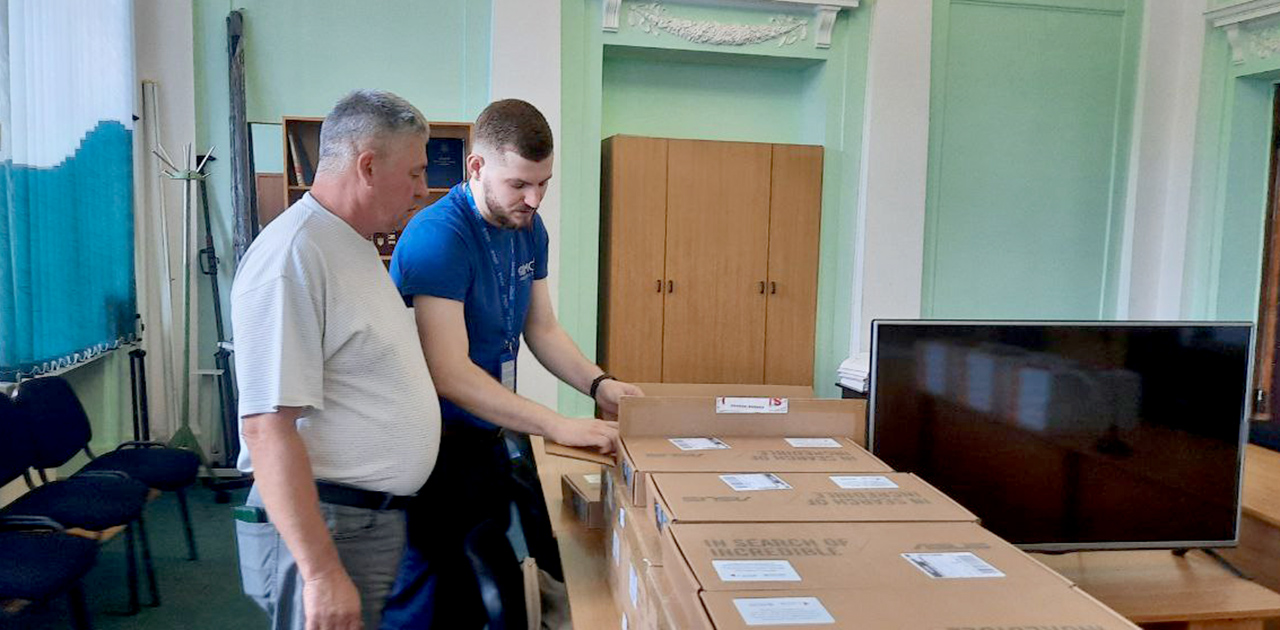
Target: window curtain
x,y
66,182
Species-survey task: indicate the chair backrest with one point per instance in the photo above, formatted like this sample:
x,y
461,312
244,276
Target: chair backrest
x,y
15,447
59,424
498,576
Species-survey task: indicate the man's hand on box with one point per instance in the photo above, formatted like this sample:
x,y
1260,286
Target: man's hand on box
x,y
610,393
598,434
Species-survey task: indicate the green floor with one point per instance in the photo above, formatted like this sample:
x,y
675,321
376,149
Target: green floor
x,y
199,595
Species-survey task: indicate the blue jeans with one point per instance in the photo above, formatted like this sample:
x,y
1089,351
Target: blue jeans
x,y
370,544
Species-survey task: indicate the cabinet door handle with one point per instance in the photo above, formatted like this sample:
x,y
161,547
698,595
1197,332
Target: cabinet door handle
x,y
671,286
773,287
659,281
762,287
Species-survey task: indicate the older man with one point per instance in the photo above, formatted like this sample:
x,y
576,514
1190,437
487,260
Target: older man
x,y
341,423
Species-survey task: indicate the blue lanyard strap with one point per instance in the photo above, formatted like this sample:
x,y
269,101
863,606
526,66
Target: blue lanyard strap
x,y
507,283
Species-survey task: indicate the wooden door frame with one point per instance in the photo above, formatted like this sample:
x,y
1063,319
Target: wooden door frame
x,y
1266,378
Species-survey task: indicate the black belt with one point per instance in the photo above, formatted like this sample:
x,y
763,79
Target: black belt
x,y
339,494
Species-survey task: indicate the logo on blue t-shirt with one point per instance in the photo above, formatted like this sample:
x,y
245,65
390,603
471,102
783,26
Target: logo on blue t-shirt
x,y
525,270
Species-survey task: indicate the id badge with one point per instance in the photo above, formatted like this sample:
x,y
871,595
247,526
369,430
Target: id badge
x,y
509,371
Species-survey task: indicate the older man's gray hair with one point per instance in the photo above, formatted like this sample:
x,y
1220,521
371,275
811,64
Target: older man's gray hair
x,y
364,119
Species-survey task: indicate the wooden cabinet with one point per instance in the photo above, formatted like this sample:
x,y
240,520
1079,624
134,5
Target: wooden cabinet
x,y
709,260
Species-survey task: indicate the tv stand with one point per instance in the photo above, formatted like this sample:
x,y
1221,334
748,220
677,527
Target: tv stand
x,y
1213,553
1157,589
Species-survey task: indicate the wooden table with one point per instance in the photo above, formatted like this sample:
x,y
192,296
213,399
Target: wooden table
x,y
1262,484
1259,552
581,549
1159,590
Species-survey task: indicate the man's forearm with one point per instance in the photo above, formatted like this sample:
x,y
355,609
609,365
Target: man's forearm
x,y
283,476
476,391
560,355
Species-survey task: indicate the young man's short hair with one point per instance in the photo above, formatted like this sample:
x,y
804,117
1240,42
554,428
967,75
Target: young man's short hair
x,y
514,125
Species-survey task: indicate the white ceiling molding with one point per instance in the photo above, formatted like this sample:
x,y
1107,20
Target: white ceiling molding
x,y
825,13
1240,22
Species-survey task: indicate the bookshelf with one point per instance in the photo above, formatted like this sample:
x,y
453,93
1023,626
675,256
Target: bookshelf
x,y
302,150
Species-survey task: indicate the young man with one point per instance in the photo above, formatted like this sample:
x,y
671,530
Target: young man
x,y
340,422
474,267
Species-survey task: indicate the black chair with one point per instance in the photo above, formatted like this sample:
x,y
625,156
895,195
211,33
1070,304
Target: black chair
x,y
53,405
93,502
498,576
38,562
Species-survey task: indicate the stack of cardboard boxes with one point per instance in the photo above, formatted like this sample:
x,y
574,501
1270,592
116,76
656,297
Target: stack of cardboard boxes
x,y
727,513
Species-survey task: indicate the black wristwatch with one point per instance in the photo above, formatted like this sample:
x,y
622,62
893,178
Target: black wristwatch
x,y
596,383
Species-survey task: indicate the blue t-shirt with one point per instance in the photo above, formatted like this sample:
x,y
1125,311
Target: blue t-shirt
x,y
443,252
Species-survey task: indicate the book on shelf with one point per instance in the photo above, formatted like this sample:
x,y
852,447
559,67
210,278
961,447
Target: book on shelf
x,y
303,173
445,162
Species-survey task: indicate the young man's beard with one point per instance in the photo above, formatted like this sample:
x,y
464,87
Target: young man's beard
x,y
504,216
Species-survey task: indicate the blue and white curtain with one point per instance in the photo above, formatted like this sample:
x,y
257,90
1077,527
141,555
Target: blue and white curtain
x,y
66,182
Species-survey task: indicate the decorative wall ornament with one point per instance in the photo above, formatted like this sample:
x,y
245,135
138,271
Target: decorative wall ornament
x,y
1240,22
1264,43
611,9
652,18
826,24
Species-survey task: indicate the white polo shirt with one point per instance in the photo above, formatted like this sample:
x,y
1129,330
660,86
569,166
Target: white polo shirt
x,y
319,324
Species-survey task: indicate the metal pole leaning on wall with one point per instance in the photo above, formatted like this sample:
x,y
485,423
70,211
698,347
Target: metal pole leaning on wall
x,y
244,200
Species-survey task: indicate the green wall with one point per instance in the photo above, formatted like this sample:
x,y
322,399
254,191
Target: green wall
x,y
1030,113
749,100
300,57
1222,273
640,82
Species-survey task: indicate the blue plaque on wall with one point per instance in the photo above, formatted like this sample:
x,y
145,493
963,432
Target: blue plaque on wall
x,y
445,162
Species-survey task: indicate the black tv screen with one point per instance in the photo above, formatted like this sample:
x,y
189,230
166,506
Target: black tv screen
x,y
1068,436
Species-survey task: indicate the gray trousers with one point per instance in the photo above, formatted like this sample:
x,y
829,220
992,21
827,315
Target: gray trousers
x,y
370,544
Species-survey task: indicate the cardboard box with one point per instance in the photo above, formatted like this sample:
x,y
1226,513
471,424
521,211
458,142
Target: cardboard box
x,y
581,494
703,390
620,569
799,498
610,482
1057,607
939,557
639,535
632,548
676,613
693,435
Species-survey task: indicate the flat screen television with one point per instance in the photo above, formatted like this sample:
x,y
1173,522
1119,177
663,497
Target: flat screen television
x,y
1066,436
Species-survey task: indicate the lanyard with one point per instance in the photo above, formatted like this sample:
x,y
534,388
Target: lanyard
x,y
507,283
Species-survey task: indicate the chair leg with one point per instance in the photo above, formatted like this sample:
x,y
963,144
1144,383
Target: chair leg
x,y
80,619
148,564
186,524
131,570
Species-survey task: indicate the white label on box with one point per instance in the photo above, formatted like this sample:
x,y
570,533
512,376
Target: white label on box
x,y
755,571
622,518
731,404
593,479
624,621
953,565
633,586
698,444
782,611
617,547
755,481
863,482
813,443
